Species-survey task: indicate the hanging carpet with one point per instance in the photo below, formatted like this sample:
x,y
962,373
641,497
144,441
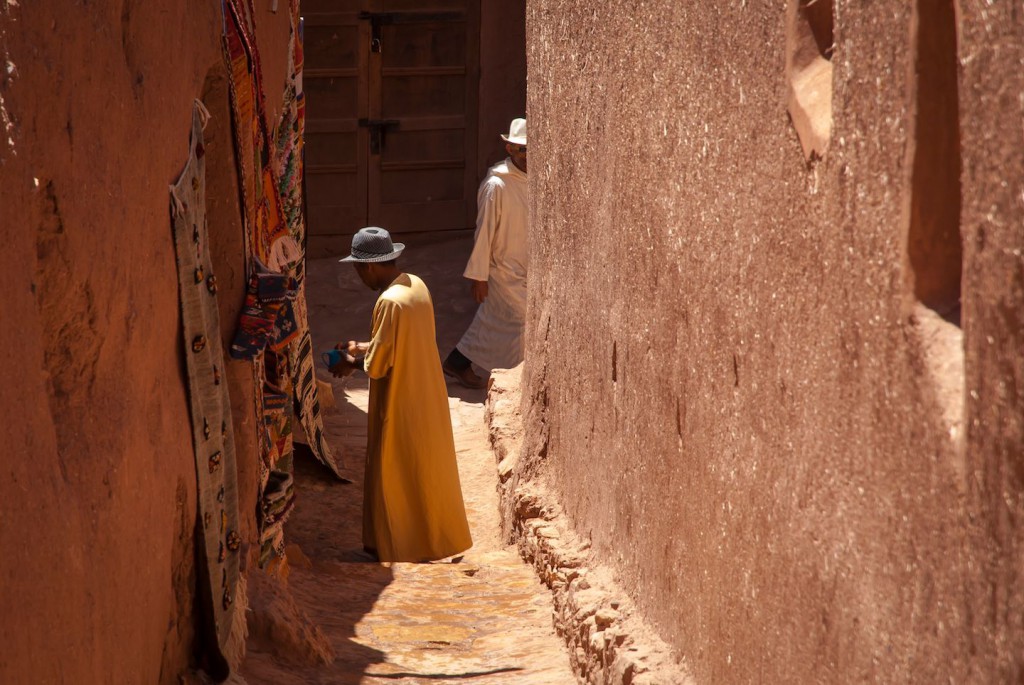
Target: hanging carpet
x,y
222,595
281,353
290,142
272,183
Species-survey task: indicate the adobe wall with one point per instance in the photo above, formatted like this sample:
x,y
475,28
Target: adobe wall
x,y
730,382
991,100
97,500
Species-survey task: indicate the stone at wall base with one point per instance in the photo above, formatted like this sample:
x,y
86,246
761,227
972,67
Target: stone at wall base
x,y
607,641
278,627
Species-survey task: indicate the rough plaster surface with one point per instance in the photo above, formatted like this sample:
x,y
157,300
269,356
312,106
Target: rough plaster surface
x,y
608,640
97,496
992,137
725,386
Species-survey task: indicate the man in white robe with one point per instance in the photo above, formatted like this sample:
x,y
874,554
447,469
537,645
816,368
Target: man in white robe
x,y
497,268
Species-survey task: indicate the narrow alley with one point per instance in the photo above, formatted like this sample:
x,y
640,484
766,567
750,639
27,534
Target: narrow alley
x,y
486,619
756,410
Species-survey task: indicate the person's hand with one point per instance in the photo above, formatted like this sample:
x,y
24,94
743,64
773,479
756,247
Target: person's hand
x,y
356,348
479,290
346,367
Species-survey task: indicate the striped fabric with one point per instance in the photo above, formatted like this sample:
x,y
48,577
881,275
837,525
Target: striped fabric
x,y
212,434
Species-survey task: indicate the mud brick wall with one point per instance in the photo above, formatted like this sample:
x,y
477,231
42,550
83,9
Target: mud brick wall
x,y
97,493
799,465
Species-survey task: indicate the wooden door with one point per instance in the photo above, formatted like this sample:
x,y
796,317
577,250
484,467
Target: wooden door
x,y
391,106
336,94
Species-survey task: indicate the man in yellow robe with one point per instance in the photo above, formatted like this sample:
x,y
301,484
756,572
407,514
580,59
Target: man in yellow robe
x,y
412,498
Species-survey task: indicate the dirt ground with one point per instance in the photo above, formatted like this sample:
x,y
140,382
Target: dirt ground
x,y
487,619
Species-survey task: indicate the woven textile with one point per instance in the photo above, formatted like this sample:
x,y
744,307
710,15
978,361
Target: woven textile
x,y
290,142
212,434
268,239
309,402
267,317
276,504
290,134
272,329
245,92
277,410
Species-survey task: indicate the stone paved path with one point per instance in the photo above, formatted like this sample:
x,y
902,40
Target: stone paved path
x,y
484,620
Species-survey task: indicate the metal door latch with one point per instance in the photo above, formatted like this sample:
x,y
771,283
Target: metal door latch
x,y
378,132
379,19
376,19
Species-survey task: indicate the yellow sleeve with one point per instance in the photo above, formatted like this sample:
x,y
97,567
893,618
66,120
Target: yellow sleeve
x,y
380,356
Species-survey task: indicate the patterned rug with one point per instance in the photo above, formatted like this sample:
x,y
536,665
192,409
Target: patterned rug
x,y
268,238
212,435
273,333
290,138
